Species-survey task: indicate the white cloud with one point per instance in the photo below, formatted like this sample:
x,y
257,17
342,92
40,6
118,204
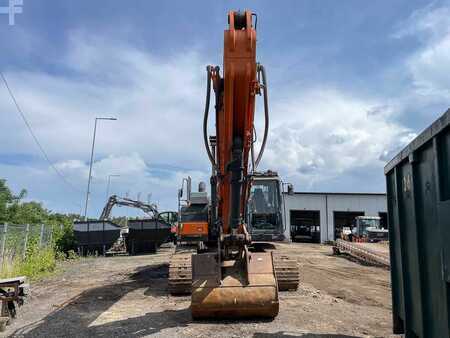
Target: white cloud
x,y
429,66
158,103
324,133
137,177
317,133
427,22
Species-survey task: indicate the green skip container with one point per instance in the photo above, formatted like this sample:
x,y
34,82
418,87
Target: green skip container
x,y
418,194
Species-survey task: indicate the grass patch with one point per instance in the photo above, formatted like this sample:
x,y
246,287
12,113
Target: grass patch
x,y
39,260
38,263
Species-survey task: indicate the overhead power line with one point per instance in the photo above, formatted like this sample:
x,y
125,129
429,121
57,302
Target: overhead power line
x,y
41,148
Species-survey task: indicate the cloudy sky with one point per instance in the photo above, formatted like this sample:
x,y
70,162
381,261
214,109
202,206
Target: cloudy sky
x,y
350,83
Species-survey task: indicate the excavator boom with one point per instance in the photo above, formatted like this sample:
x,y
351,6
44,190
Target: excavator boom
x,y
232,281
234,119
149,209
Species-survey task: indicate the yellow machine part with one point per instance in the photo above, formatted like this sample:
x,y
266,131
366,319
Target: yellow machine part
x,y
233,296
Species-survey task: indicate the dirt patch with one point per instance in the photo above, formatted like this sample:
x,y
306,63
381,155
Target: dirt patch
x,y
127,296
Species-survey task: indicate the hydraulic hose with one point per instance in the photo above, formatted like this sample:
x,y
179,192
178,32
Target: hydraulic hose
x,y
205,116
262,71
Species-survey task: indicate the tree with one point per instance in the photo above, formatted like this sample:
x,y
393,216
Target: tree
x,y
8,201
15,211
28,213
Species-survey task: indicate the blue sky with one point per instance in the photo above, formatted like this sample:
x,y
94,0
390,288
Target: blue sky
x,y
350,83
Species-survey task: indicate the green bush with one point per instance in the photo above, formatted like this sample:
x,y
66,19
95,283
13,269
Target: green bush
x,y
38,262
64,238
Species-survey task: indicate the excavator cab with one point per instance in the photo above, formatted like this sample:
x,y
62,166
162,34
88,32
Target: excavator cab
x,y
368,229
170,217
193,211
264,208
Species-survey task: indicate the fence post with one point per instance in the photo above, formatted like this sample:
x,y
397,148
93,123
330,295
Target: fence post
x,y
5,230
26,241
41,237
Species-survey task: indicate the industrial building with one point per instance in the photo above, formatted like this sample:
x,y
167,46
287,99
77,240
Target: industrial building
x,y
327,212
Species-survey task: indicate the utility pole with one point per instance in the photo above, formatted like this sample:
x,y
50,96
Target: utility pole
x,y
109,183
91,162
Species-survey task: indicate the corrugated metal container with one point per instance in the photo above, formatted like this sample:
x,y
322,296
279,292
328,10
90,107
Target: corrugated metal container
x,y
146,235
95,236
418,189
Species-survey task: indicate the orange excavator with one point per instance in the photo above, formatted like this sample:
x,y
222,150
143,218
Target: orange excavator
x,y
228,279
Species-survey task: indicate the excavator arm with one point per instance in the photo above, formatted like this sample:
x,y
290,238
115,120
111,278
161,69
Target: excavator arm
x,y
235,105
149,209
232,281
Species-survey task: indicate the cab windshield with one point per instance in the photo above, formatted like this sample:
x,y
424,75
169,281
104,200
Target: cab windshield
x,y
370,223
264,204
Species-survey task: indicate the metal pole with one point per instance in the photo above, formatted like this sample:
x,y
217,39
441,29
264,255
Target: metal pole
x,y
108,185
26,241
42,236
91,162
283,196
5,230
90,172
127,194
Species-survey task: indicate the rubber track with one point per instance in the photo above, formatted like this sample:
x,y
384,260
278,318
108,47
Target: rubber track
x,y
180,273
287,272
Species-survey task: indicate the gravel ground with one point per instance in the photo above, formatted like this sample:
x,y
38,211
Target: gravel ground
x,y
127,297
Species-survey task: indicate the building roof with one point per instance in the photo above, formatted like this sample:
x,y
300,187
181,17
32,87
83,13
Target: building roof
x,y
339,193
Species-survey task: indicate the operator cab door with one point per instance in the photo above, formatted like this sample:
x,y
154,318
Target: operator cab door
x,y
264,216
169,217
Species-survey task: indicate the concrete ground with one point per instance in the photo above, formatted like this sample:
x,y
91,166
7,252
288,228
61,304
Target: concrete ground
x,y
126,296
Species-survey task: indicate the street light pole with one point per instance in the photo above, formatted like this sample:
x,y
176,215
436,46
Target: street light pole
x,y
109,182
91,162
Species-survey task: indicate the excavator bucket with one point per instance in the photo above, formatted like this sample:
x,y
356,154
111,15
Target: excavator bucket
x,y
226,291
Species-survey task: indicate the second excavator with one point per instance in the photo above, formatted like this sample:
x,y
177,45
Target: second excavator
x,y
226,278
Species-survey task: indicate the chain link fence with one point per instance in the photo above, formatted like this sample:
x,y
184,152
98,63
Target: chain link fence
x,y
16,238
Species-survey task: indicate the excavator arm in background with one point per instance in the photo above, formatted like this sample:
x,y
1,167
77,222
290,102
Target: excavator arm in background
x,y
150,209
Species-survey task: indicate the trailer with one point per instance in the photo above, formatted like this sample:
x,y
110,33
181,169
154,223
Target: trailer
x,y
146,235
366,252
95,237
418,193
